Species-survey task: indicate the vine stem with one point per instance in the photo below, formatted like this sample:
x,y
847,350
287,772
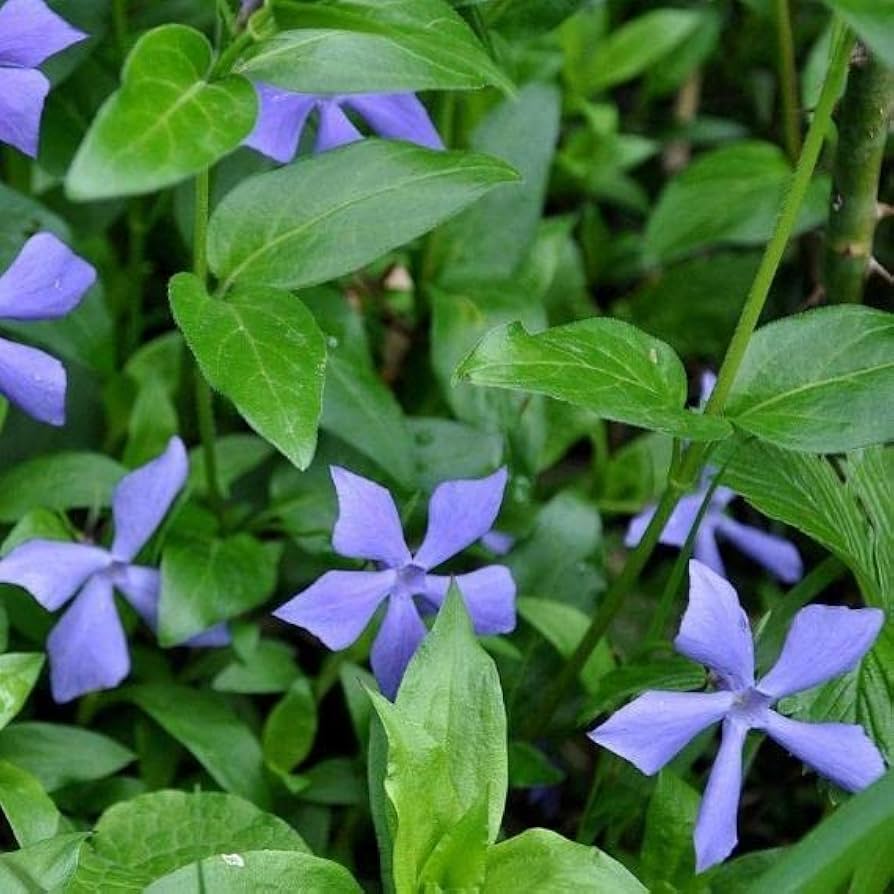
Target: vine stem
x,y
204,398
687,464
788,79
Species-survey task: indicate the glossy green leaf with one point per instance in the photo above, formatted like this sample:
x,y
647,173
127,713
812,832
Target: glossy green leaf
x,y
204,582
18,674
329,215
262,349
145,838
540,860
46,865
59,755
873,20
29,810
212,732
821,382
290,728
167,122
259,870
730,195
827,856
528,18
363,46
58,481
269,668
667,853
605,365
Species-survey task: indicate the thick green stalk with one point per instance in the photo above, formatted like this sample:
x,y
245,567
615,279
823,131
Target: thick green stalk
x,y
685,469
204,399
788,79
862,133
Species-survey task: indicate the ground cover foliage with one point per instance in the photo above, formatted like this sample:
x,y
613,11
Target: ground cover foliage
x,y
425,423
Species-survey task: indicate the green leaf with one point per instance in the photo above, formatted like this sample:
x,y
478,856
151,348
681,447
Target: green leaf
x,y
526,18
47,865
458,860
492,238
166,123
237,455
667,853
397,46
825,859
269,668
212,732
330,214
290,728
58,481
821,381
529,767
446,449
638,45
145,838
446,739
18,674
204,582
30,811
539,860
873,20
604,365
262,349
261,870
728,196
59,755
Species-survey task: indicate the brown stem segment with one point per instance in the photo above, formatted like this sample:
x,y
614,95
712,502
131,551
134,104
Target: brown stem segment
x,y
863,130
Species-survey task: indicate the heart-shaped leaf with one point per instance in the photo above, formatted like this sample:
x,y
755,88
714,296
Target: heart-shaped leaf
x,y
262,349
166,122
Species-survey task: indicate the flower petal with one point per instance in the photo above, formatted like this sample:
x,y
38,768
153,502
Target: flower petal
x,y
677,528
397,116
88,648
841,752
459,513
141,587
215,637
396,642
368,526
33,381
489,595
46,280
22,95
715,828
653,728
705,548
52,571
31,32
823,642
338,606
715,630
281,119
335,128
143,497
780,557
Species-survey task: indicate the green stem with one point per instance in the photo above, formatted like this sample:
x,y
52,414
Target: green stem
x,y
862,133
788,79
204,398
136,245
685,468
119,19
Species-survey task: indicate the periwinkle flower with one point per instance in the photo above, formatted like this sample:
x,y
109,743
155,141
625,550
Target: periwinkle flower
x,y
283,115
87,647
30,32
45,281
822,642
339,606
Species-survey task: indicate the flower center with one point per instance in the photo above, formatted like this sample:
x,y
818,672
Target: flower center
x,y
751,706
411,579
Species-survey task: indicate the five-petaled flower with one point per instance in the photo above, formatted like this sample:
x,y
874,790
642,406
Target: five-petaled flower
x,y
339,606
823,642
88,647
283,115
30,32
45,281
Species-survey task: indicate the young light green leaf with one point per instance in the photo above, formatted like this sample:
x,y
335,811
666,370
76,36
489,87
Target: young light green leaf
x,y
540,860
18,674
126,856
329,215
29,810
258,870
604,365
261,348
362,46
204,582
212,732
167,122
873,20
822,381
